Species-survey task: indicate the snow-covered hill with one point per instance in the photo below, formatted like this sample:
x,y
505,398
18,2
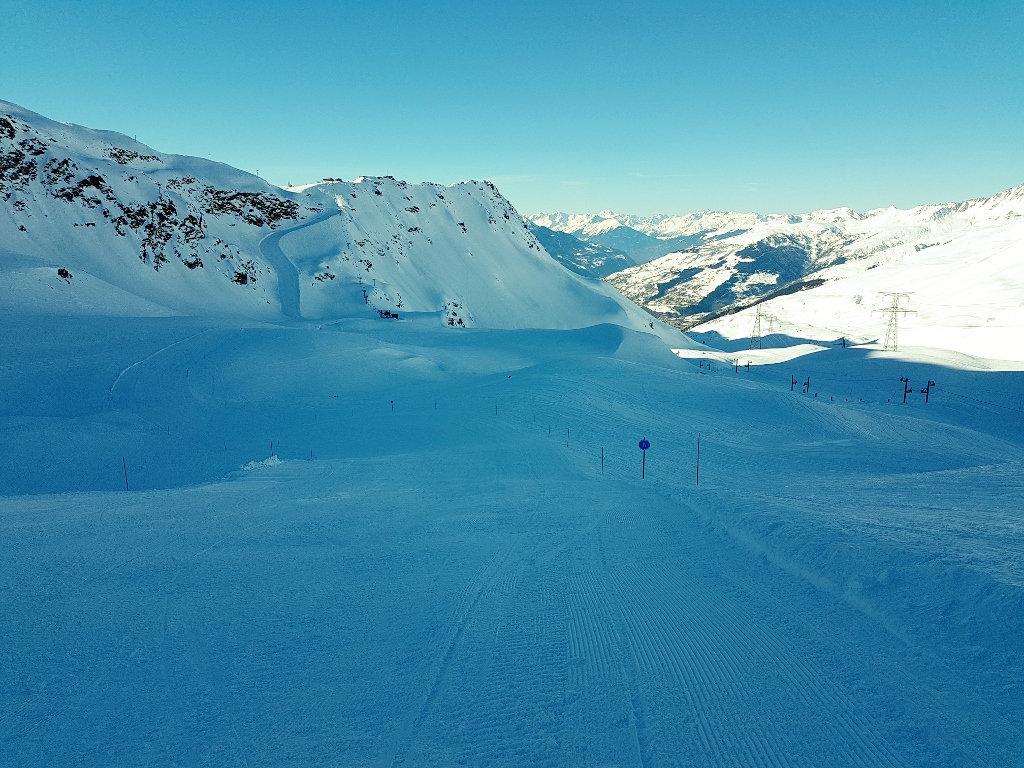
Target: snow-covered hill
x,y
745,258
93,221
965,295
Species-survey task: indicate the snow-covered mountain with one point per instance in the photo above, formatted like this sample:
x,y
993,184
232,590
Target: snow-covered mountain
x,y
93,221
122,220
741,259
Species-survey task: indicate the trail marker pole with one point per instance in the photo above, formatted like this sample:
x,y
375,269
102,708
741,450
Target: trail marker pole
x,y
392,406
644,445
698,459
792,382
566,437
602,460
125,465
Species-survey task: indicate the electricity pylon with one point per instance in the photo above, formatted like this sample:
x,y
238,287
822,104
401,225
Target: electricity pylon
x,y
755,335
892,331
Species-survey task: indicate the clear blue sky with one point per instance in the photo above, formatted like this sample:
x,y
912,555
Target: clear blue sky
x,y
637,107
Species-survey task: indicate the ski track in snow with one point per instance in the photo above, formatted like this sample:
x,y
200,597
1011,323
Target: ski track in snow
x,y
454,628
146,359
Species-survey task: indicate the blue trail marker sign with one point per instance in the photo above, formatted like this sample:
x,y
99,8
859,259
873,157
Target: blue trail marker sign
x,y
644,445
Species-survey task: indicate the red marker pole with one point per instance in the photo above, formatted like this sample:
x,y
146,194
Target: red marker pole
x,y
698,458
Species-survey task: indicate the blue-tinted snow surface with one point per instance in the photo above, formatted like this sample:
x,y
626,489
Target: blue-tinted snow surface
x,y
459,584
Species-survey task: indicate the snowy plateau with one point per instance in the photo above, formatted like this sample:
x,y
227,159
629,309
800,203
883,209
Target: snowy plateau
x,y
348,474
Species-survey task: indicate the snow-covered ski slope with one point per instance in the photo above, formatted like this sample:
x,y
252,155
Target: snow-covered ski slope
x,y
431,566
95,222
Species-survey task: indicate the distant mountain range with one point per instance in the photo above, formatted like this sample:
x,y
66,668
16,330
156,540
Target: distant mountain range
x,y
632,238
707,265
